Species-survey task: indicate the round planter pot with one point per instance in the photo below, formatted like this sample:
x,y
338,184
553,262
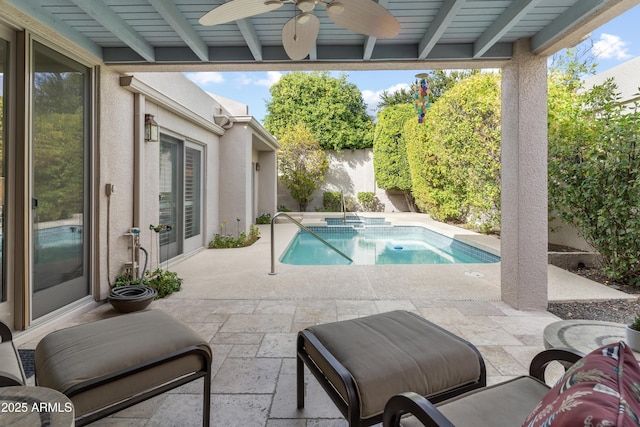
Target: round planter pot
x,y
127,299
633,339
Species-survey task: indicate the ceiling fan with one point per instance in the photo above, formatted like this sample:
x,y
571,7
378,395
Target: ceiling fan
x,y
299,34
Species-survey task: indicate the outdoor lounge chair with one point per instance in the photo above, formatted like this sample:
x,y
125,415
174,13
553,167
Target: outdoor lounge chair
x,y
361,363
598,389
11,372
111,364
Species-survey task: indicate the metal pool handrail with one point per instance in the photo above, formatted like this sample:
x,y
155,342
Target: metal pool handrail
x,y
273,262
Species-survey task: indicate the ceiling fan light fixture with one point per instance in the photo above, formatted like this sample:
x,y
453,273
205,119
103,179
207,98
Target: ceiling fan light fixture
x,y
306,5
273,3
303,18
335,7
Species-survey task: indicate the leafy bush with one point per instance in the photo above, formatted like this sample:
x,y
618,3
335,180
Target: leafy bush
x,y
264,218
368,201
125,279
226,241
332,201
390,161
283,208
164,282
594,173
454,156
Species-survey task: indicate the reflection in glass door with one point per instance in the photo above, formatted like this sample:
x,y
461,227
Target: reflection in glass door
x,y
4,85
61,100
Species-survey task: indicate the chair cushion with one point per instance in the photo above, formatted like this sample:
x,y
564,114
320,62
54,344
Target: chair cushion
x,y
503,404
393,352
80,355
11,373
601,389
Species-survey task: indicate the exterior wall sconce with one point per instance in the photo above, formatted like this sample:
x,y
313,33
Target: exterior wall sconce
x,y
150,128
257,167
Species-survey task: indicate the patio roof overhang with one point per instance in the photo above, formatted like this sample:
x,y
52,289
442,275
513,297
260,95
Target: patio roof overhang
x,y
515,35
165,34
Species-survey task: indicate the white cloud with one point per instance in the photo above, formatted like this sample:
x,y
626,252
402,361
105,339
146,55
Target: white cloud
x,y
269,80
204,78
372,98
272,78
611,47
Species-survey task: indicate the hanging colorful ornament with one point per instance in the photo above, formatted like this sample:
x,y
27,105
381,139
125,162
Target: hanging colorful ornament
x,y
421,91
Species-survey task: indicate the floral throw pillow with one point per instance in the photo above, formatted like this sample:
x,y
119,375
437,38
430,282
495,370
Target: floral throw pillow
x,y
601,389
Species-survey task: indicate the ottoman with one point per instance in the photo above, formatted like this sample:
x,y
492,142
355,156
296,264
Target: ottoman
x,y
111,364
362,363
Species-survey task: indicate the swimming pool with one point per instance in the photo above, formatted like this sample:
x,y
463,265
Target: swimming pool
x,y
381,244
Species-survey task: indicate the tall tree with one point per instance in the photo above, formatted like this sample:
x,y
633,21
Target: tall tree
x,y
302,164
331,108
390,161
399,97
443,80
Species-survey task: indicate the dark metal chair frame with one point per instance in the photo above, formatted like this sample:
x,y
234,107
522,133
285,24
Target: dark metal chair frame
x,y
429,415
97,382
350,408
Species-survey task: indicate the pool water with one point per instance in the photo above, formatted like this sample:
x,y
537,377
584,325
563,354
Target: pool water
x,y
371,245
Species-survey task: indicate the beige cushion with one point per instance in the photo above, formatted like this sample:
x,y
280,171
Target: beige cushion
x,y
75,356
395,352
11,372
502,405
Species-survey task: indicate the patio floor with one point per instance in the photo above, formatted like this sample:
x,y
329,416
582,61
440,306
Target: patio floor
x,y
251,319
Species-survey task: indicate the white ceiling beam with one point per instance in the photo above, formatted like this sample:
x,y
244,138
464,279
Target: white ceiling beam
x,y
369,44
445,16
112,22
514,13
55,24
370,41
565,23
251,37
170,12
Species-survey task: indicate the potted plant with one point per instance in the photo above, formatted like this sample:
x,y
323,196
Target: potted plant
x,y
633,334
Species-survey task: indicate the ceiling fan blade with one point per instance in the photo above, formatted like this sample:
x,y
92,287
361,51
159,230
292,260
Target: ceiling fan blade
x,y
364,17
237,9
299,35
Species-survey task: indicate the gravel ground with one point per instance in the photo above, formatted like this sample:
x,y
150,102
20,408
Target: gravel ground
x,y
612,310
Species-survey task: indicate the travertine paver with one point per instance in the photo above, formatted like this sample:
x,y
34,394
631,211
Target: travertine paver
x,y
251,320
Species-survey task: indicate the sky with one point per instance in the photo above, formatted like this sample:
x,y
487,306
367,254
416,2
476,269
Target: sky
x,y
614,43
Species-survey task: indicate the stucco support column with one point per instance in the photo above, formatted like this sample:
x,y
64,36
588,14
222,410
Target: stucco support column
x,y
524,180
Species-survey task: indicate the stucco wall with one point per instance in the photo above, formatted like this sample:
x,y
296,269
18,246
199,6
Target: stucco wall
x,y
117,165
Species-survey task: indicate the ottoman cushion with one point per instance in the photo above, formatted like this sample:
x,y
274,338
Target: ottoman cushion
x,y
107,350
395,352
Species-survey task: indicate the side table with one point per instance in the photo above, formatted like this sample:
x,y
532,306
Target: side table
x,y
35,406
583,335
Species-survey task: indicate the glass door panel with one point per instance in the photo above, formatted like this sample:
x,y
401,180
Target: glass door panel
x,y
170,196
4,86
192,198
60,181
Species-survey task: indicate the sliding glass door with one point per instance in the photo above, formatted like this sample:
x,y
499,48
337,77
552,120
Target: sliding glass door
x,y
60,135
5,304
